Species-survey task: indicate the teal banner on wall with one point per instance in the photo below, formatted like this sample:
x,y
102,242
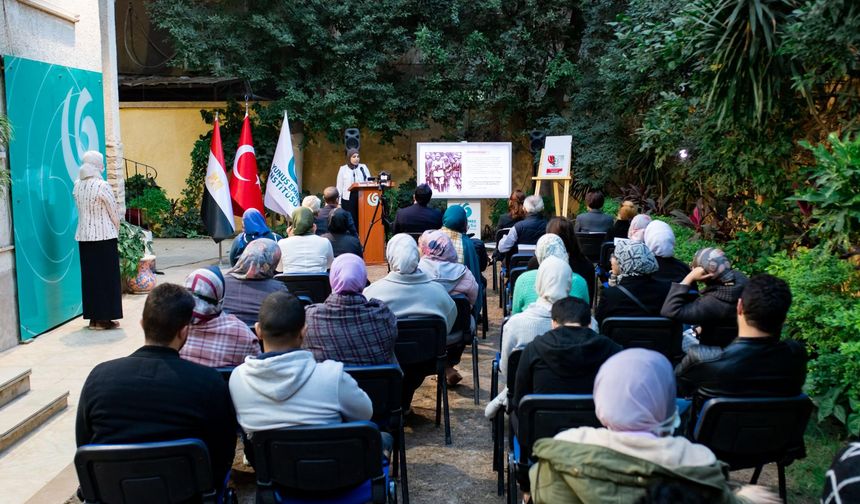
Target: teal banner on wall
x,y
57,114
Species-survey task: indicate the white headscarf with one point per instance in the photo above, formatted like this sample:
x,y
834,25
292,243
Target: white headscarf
x,y
553,280
660,238
93,165
402,254
637,227
550,245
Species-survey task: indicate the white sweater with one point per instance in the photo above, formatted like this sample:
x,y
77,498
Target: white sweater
x,y
293,389
522,328
305,254
97,212
346,176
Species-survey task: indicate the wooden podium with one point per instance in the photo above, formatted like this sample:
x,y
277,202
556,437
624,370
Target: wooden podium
x,y
371,231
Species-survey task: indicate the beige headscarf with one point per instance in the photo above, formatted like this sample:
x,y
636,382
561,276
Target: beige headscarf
x,y
553,280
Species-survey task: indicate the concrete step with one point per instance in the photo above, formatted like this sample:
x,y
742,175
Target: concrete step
x,y
14,382
25,414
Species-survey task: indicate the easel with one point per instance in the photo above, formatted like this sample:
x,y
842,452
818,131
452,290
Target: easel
x,y
561,184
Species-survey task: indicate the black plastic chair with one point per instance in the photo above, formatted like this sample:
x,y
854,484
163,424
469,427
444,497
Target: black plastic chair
x,y
164,472
509,291
462,331
383,385
421,343
501,233
512,262
589,244
415,236
319,462
225,372
544,416
499,419
654,333
314,286
752,432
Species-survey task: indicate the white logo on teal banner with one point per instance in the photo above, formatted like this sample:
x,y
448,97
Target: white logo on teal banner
x,y
473,215
85,130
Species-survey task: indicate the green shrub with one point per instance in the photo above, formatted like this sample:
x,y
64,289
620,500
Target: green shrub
x,y
155,206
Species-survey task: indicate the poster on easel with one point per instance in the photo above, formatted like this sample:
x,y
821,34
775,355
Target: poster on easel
x,y
555,157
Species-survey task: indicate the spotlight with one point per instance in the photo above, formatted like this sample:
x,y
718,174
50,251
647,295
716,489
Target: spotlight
x,y
683,154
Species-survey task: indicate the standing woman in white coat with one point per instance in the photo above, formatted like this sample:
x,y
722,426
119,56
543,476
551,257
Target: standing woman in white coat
x,y
98,228
353,171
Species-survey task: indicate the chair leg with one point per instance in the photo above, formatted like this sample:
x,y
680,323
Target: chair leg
x,y
513,488
755,475
404,481
485,319
476,379
499,448
440,379
446,411
495,276
780,470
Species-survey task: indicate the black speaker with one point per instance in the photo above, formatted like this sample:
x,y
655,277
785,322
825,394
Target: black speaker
x,y
352,138
537,139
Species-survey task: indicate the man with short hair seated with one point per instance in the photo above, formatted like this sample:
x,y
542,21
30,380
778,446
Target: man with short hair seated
x,y
594,220
330,198
285,386
528,230
757,363
154,395
418,217
566,359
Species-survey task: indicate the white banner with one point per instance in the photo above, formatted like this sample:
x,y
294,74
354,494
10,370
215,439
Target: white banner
x,y
473,215
282,188
555,157
465,170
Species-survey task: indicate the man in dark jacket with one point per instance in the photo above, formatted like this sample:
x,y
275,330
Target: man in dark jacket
x,y
593,221
153,395
418,217
528,230
566,359
757,363
330,197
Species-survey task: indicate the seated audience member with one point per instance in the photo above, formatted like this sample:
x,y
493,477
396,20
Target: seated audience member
x,y
348,327
594,220
312,203
331,198
842,480
756,363
250,280
342,242
154,395
285,386
638,225
418,217
578,262
524,290
621,226
215,338
552,284
254,225
409,291
634,398
636,293
439,262
303,251
660,239
564,360
528,230
516,211
716,308
455,224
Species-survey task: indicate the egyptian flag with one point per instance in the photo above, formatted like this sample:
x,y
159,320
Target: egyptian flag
x,y
216,209
245,183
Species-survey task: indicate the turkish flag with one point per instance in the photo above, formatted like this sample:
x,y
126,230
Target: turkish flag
x,y
245,188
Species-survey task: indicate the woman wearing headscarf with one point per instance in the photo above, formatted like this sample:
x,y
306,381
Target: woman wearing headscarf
x,y
215,338
342,241
634,399
455,224
713,311
563,228
251,280
636,292
96,234
409,291
353,171
439,261
638,225
660,238
254,225
348,327
524,290
303,251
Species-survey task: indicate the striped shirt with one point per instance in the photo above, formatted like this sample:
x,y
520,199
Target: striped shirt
x,y
98,219
222,341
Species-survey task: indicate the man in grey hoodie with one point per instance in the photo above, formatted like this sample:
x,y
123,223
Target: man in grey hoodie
x,y
285,386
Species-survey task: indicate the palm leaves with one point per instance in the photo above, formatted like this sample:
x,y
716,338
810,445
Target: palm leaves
x,y
737,41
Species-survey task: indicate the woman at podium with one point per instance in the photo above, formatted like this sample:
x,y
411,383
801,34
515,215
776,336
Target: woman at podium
x,y
353,171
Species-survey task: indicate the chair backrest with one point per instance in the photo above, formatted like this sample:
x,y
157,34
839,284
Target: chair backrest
x,y
606,250
654,333
513,364
315,286
420,339
545,415
415,236
382,384
515,273
464,318
589,244
747,432
520,259
225,372
501,233
171,471
319,459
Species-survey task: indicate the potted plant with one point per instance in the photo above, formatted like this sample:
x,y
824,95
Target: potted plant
x,y
136,267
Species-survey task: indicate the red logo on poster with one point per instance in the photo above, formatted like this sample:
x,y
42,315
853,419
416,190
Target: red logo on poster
x,y
551,159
